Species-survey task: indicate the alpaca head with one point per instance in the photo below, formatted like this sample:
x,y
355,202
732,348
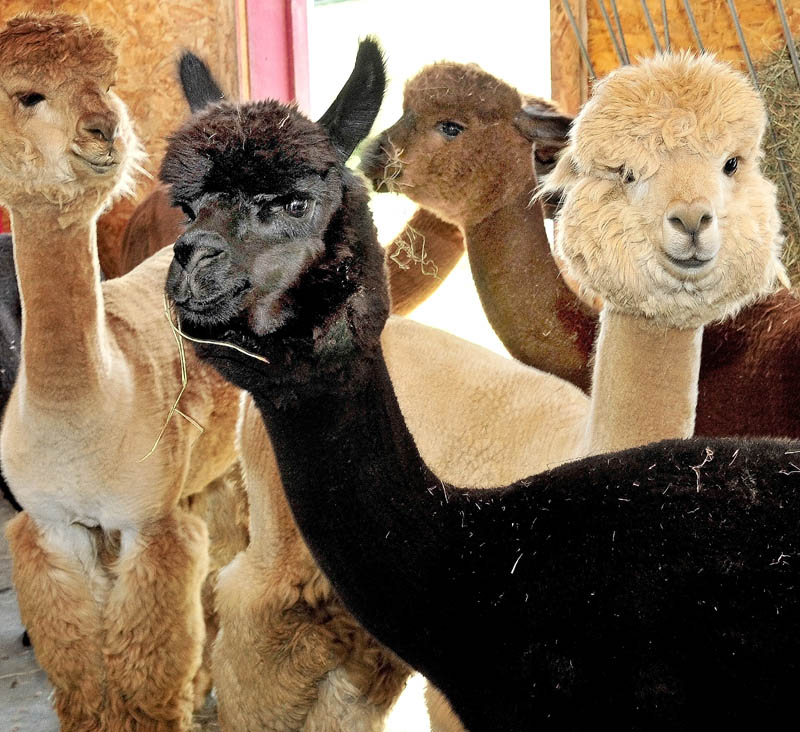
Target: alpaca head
x,y
462,147
273,211
65,136
665,211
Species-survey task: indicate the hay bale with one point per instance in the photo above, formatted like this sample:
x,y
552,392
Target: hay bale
x,y
781,92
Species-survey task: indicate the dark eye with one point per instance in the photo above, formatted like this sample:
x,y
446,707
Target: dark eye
x,y
297,207
30,99
626,174
731,164
187,209
450,129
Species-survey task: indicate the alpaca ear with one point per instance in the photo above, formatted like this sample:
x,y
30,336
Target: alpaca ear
x,y
546,128
199,86
350,117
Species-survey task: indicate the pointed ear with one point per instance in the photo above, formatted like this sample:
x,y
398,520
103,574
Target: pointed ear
x,y
350,117
199,86
546,128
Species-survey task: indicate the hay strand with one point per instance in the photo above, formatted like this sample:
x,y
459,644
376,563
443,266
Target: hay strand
x,y
781,93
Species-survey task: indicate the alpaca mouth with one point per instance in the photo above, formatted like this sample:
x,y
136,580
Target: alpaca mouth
x,y
213,309
690,265
105,165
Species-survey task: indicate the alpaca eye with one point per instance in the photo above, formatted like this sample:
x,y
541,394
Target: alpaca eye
x,y
626,175
450,129
297,207
30,99
187,209
731,164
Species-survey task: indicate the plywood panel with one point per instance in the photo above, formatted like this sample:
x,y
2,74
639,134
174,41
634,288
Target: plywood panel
x,y
152,33
567,69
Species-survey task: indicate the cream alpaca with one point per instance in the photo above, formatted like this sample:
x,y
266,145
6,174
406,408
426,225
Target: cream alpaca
x,y
667,216
117,628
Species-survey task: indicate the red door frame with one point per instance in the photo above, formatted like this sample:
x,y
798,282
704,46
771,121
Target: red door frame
x,y
273,50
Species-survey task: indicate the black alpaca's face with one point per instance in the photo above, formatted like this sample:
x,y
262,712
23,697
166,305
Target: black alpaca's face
x,y
243,251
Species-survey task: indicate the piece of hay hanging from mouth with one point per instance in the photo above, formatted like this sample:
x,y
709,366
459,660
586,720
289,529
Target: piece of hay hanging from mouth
x,y
781,92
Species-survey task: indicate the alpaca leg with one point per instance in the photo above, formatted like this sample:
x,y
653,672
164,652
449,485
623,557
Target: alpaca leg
x,y
154,625
270,654
53,574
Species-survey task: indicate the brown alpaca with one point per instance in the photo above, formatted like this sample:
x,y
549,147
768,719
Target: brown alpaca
x,y
119,632
739,356
462,149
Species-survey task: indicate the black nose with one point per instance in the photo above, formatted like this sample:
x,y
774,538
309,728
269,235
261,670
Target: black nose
x,y
194,246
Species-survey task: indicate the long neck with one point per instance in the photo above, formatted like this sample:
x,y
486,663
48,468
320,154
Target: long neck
x,y
528,304
63,326
644,385
360,493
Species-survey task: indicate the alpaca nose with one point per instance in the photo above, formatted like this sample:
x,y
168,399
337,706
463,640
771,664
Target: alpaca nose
x,y
102,127
690,218
195,247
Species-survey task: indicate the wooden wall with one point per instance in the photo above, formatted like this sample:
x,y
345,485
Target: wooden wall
x,y
760,21
152,33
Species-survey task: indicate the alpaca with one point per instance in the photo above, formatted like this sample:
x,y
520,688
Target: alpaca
x,y
739,356
647,588
107,568
465,138
316,669
666,215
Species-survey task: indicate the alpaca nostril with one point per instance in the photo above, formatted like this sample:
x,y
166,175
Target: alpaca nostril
x,y
101,127
677,223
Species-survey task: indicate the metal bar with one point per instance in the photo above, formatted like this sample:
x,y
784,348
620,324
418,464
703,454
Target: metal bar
x,y
619,30
693,23
577,31
613,35
650,25
665,21
787,185
787,34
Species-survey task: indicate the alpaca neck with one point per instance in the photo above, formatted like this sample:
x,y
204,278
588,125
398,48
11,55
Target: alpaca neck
x,y
63,327
341,443
644,385
528,304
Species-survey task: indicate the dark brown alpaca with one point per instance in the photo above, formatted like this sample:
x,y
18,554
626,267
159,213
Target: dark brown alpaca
x,y
748,376
462,149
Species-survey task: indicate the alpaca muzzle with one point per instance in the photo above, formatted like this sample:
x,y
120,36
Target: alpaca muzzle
x,y
197,275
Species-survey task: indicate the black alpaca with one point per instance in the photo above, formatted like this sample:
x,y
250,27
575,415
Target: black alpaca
x,y
655,588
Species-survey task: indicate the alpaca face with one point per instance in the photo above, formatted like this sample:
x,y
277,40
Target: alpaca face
x,y
274,218
666,213
242,252
65,133
462,147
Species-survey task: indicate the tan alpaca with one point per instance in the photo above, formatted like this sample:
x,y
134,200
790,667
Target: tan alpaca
x,y
669,220
118,630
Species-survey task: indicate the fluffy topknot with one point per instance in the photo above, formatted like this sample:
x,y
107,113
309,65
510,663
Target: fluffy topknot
x,y
51,44
247,148
448,85
639,113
